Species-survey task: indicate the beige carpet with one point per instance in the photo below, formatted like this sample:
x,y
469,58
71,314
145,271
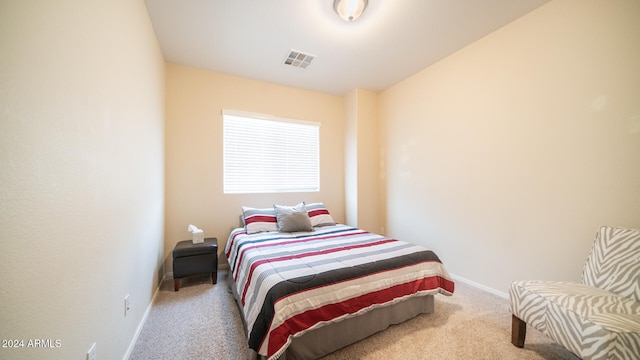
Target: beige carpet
x,y
201,321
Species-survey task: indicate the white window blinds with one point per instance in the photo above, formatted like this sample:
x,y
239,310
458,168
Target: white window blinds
x,y
264,154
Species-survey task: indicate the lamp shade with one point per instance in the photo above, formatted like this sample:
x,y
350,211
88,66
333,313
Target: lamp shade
x,y
349,10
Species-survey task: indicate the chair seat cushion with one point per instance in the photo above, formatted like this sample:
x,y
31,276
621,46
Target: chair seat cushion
x,y
591,322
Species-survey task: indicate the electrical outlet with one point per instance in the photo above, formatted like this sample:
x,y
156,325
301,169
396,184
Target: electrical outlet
x,y
91,354
127,305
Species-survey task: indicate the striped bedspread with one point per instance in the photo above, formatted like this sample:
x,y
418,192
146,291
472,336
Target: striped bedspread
x,y
289,283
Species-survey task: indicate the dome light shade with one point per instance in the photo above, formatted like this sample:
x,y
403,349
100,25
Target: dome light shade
x,y
349,10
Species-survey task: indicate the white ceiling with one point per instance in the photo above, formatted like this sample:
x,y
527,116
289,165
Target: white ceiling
x,y
391,41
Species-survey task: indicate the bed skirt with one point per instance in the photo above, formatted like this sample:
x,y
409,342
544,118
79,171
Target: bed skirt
x,y
350,330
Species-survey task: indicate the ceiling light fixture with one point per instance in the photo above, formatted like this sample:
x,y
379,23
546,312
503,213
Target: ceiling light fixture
x,y
350,10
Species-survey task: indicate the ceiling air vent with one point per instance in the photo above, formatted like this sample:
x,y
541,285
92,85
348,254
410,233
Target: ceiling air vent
x,y
299,59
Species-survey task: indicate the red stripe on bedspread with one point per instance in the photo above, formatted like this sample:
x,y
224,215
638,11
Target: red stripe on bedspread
x,y
297,256
233,240
278,337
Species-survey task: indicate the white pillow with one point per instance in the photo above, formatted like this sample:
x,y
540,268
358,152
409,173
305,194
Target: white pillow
x,y
259,220
319,215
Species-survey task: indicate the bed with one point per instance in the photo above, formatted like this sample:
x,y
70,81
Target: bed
x,y
307,286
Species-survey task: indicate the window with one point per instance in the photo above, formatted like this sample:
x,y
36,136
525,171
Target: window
x,y
264,154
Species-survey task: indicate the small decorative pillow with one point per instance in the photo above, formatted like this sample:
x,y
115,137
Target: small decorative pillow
x,y
292,218
259,220
319,215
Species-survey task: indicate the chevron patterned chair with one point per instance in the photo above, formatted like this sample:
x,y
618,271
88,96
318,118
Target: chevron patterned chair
x,y
598,318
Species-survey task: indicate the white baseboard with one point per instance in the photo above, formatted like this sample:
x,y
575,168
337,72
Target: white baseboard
x,y
127,355
480,286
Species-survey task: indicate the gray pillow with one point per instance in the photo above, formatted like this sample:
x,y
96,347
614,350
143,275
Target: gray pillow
x,y
292,218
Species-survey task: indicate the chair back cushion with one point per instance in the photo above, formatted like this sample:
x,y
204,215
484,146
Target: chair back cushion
x,y
614,262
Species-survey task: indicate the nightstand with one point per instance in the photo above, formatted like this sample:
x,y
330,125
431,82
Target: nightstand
x,y
193,259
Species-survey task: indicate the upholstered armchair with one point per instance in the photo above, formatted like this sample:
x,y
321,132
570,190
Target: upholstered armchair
x,y
598,318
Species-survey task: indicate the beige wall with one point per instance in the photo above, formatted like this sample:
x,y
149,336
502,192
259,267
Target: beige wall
x,y
362,167
195,99
351,157
508,155
81,174
368,162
